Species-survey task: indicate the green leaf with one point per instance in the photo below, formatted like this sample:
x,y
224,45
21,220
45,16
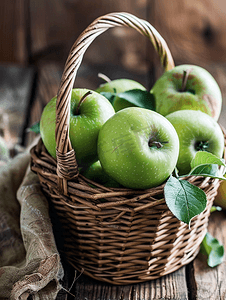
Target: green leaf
x,y
204,157
184,199
207,170
139,98
211,247
35,127
110,96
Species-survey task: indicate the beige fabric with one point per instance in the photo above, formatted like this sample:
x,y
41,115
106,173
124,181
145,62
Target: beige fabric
x,y
29,260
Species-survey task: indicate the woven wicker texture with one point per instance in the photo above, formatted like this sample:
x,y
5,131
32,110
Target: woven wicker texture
x,y
120,236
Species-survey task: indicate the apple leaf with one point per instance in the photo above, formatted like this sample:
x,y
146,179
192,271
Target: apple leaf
x,y
211,247
110,96
204,157
139,98
207,170
35,127
184,199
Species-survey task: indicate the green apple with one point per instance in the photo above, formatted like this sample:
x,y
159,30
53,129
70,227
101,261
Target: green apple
x,y
187,87
138,148
86,119
96,173
119,86
197,131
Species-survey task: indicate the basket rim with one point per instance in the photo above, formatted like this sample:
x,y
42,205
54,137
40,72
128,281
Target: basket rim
x,y
48,167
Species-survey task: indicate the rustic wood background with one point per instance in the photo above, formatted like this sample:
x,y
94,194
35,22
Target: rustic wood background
x,y
194,30
38,33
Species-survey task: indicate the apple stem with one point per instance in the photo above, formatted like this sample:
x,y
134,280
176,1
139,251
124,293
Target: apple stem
x,y
154,143
185,79
81,100
104,77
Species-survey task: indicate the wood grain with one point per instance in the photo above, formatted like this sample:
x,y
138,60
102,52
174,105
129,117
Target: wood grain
x,y
211,282
194,30
13,31
172,286
36,29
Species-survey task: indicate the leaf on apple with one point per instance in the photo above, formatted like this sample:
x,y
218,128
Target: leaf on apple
x,y
204,157
110,96
211,247
207,164
208,170
137,97
140,98
35,127
184,199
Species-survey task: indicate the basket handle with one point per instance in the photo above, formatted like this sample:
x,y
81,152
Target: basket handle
x,y
66,161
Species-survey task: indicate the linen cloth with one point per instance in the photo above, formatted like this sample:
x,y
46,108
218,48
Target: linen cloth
x,y
29,260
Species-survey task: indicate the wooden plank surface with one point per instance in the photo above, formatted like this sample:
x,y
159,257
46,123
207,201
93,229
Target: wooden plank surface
x,y
210,283
172,286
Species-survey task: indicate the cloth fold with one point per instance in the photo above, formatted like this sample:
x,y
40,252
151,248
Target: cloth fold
x,y
29,259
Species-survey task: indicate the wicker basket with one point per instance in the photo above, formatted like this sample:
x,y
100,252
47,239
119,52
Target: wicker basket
x,y
132,236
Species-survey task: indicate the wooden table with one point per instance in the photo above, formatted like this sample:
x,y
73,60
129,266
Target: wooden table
x,y
30,89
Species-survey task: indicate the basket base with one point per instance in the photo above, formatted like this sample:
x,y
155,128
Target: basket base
x,y
129,280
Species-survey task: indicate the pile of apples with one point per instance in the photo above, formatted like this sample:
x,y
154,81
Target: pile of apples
x,y
124,143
